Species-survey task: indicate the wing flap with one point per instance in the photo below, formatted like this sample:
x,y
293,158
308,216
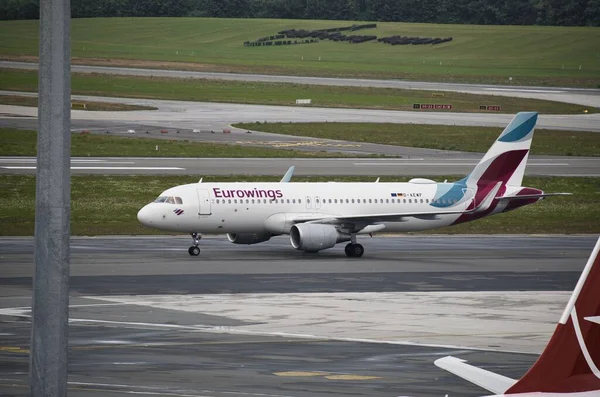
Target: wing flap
x,y
488,380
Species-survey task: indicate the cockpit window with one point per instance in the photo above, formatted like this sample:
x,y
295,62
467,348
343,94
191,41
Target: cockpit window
x,y
169,200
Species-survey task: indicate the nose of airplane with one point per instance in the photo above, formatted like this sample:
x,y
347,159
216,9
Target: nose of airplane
x,y
145,216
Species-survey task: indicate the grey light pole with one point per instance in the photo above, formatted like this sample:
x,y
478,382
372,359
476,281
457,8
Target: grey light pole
x,y
50,313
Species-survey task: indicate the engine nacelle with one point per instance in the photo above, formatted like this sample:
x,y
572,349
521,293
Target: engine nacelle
x,y
248,238
313,237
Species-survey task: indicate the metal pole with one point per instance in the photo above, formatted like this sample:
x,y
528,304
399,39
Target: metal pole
x,y
50,313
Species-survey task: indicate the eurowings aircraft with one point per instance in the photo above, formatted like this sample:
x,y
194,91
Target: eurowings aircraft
x,y
318,216
569,365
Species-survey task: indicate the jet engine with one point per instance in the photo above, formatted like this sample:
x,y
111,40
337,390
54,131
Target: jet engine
x,y
248,238
313,237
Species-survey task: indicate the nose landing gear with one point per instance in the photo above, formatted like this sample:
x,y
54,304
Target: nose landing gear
x,y
194,250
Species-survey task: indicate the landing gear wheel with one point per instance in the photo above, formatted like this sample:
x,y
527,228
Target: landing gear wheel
x,y
354,250
348,249
194,250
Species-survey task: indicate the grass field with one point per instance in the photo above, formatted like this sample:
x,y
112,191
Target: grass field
x,y
14,142
470,139
531,55
109,204
280,93
17,100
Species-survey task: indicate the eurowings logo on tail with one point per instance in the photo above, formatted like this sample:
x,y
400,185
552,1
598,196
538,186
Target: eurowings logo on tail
x,y
571,360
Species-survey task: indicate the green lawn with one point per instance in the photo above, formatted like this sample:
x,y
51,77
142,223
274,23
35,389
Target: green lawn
x,y
17,100
280,93
14,142
109,204
532,55
470,139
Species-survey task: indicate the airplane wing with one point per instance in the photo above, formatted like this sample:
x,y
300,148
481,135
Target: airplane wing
x,y
490,381
288,175
533,196
372,218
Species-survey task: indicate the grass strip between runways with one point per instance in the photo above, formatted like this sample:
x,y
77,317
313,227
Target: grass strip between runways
x,y
105,205
251,92
32,101
14,142
444,137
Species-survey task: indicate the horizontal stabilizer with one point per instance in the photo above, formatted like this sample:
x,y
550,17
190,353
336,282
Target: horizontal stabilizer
x,y
490,381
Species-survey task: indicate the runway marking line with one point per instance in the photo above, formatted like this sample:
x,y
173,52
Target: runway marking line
x,y
300,373
103,168
13,349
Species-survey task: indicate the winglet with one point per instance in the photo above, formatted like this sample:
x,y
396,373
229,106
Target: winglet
x,y
490,381
288,175
489,199
570,362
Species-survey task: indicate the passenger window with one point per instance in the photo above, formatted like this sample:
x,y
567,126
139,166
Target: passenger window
x,y
235,201
300,201
403,201
369,201
293,201
229,201
288,201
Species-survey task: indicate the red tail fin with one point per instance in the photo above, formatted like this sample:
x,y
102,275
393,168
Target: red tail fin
x,y
571,361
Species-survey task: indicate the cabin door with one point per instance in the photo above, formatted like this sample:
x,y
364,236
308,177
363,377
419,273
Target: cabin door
x,y
203,202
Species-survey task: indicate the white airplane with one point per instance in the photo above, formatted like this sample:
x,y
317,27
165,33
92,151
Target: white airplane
x,y
317,216
569,364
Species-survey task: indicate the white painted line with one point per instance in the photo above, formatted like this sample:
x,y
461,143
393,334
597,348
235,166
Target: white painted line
x,y
451,164
231,330
526,90
102,168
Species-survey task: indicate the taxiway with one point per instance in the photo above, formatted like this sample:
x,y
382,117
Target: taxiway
x,y
266,320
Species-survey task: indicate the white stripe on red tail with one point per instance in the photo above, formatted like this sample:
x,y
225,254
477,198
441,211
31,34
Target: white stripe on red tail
x,y
571,361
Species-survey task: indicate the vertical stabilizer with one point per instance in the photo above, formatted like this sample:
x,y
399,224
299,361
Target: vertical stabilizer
x,y
571,361
506,160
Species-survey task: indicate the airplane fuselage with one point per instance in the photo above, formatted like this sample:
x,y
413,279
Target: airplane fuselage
x,y
265,207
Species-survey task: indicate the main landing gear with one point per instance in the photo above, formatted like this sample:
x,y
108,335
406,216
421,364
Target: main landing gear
x,y
354,250
194,250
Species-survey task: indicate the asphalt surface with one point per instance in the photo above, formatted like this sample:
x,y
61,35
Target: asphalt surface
x,y
216,116
367,167
582,96
146,318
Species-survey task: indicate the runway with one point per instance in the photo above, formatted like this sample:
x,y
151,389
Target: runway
x,y
426,165
266,320
581,96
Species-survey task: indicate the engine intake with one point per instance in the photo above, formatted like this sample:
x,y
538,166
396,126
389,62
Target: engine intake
x,y
313,237
248,238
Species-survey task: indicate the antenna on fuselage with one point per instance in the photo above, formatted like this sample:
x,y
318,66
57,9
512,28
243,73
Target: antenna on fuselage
x,y
377,181
200,181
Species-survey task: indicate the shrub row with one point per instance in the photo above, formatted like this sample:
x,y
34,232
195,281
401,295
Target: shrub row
x,y
278,42
403,40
